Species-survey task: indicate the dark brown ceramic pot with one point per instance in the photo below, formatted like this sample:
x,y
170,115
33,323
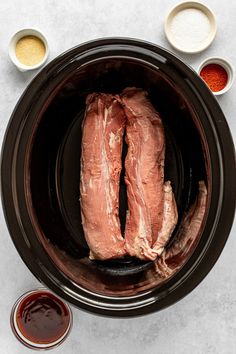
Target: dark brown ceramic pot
x,y
41,171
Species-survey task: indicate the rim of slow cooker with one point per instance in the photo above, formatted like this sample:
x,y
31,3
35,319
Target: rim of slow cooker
x,y
14,202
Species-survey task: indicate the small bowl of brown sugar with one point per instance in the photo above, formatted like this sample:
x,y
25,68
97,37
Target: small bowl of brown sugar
x,y
28,49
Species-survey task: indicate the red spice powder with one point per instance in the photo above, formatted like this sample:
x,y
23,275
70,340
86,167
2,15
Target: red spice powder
x,y
215,77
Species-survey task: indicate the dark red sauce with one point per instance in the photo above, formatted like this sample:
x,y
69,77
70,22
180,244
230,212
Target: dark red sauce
x,y
42,317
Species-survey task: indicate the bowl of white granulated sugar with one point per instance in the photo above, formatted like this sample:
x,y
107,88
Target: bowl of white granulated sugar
x,y
190,27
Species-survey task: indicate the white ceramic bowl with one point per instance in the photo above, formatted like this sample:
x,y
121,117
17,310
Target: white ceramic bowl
x,y
228,68
12,48
173,40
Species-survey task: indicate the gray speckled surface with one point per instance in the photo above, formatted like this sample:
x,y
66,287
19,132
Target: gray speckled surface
x,y
204,321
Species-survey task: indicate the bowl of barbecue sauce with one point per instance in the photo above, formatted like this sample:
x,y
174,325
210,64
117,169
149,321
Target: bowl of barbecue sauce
x,y
40,320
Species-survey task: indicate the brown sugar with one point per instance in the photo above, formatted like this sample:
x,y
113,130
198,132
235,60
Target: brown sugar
x,y
30,50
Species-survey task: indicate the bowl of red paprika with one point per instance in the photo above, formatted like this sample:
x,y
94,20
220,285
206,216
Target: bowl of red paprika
x,y
218,74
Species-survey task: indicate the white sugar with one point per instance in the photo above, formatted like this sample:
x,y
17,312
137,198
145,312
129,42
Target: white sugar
x,y
190,28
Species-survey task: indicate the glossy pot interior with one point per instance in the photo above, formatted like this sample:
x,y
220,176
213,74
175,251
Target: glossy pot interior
x,y
41,173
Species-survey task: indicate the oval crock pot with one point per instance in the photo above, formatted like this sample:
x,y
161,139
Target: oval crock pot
x,y
40,173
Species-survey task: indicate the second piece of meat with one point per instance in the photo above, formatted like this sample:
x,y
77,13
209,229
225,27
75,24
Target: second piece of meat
x,y
144,168
103,129
186,239
170,218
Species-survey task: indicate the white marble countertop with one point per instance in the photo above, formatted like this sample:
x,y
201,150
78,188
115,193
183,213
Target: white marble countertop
x,y
205,320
